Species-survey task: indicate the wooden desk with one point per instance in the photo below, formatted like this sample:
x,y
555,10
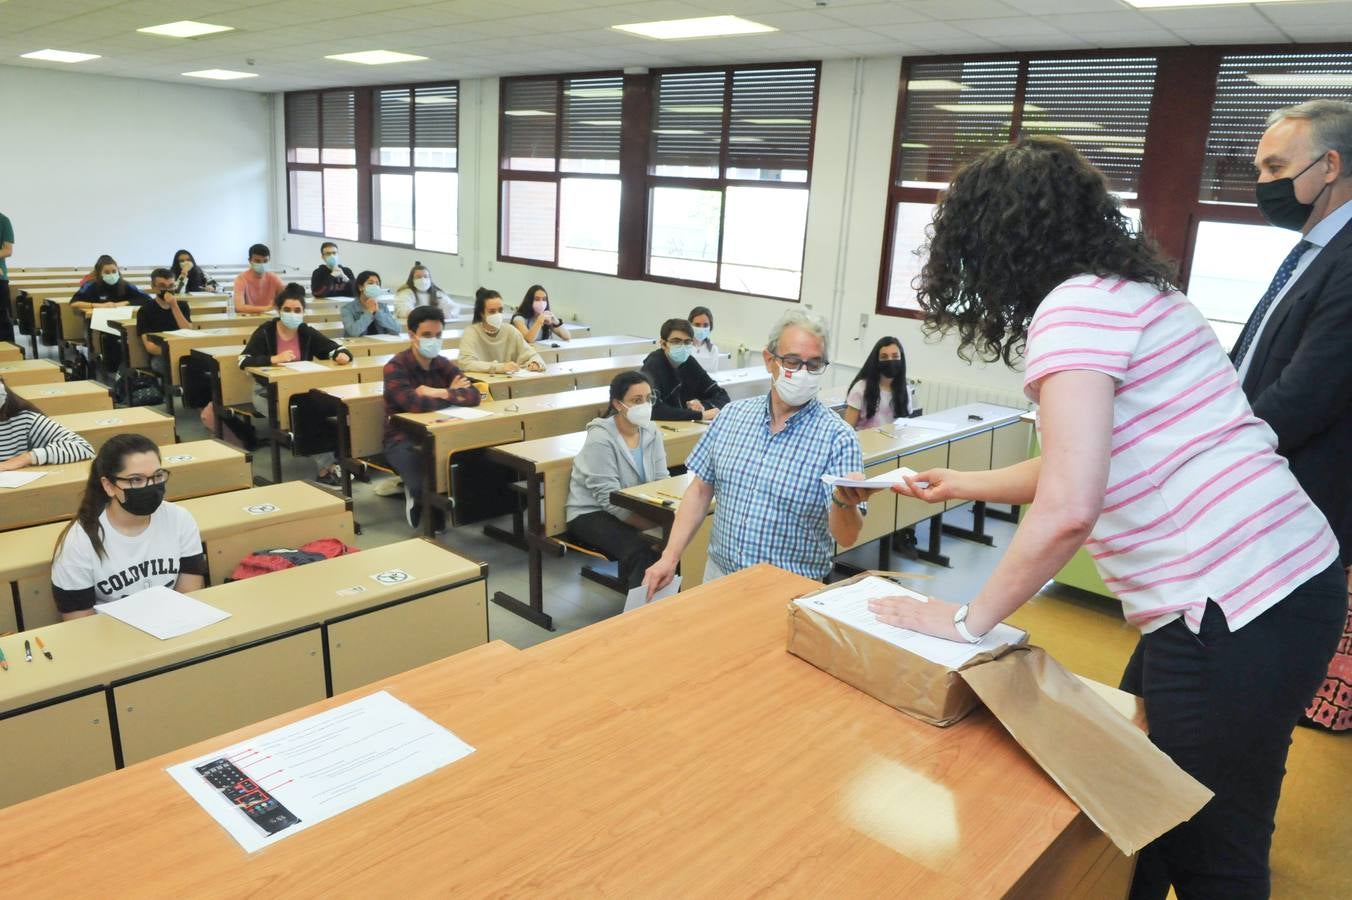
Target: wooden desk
x,y
197,467
293,637
673,751
10,352
70,397
233,525
546,465
588,347
31,371
98,427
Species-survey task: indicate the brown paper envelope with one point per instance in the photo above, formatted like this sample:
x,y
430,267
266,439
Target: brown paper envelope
x,y
1125,784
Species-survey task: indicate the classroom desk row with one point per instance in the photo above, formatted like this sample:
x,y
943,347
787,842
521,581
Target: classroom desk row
x,y
60,398
233,524
17,372
196,468
676,750
113,695
10,352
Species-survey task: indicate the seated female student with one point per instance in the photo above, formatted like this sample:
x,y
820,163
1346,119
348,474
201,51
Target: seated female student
x,y
366,314
879,394
622,449
282,340
125,537
188,275
703,349
488,346
105,286
28,438
536,321
421,290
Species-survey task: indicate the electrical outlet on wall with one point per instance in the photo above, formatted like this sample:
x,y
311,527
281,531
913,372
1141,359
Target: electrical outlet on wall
x,y
863,320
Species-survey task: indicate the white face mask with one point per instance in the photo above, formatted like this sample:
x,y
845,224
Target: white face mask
x,y
797,388
4,395
493,320
639,414
422,284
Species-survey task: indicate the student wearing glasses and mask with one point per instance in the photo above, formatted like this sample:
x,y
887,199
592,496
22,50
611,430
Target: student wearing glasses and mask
x,y
331,278
683,390
763,459
623,448
125,537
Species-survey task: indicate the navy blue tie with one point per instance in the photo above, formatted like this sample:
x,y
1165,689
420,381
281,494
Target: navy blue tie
x,y
1284,272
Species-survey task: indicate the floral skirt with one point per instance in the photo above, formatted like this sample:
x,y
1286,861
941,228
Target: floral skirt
x,y
1332,706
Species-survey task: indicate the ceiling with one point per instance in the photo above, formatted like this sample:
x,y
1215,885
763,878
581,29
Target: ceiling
x,y
285,41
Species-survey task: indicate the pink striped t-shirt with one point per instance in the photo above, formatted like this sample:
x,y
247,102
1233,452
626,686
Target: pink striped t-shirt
x,y
1199,505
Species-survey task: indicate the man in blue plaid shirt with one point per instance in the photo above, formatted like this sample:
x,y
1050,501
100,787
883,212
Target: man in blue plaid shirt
x,y
763,459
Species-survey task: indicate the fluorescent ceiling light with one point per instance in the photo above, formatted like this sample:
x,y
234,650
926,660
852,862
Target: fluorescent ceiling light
x,y
1300,80
528,112
428,100
777,121
1166,4
935,84
594,92
184,29
916,146
1126,151
685,29
608,123
376,57
693,109
1054,125
984,107
61,56
1112,139
745,139
676,131
220,74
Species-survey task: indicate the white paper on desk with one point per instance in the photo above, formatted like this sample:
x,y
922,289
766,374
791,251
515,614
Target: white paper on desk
x,y
18,479
878,482
956,418
464,412
162,612
389,338
99,318
189,332
639,595
304,366
848,604
326,764
524,373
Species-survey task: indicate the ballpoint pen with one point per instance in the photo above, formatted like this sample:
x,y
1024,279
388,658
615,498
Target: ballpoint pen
x,y
28,651
43,647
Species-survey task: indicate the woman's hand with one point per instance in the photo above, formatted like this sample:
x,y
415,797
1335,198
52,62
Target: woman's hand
x,y
342,357
535,366
285,356
934,616
20,461
933,486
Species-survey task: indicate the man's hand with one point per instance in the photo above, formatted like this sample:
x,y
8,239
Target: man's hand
x,y
854,496
659,575
460,382
708,415
423,390
694,405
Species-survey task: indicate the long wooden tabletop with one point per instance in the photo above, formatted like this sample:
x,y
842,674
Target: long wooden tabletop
x,y
674,751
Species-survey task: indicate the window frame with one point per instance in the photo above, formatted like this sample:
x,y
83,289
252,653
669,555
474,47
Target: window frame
x,y
412,169
363,144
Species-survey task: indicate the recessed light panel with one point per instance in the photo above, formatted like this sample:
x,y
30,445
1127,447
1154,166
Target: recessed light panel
x,y
376,57
686,29
184,29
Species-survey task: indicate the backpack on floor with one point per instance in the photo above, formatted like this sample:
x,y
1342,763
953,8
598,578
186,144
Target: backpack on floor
x,y
261,562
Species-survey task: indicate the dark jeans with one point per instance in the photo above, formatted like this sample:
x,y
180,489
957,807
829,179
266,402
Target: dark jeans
x,y
409,463
6,320
618,541
1222,705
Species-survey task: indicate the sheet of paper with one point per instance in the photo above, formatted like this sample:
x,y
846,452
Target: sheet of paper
x,y
314,769
848,604
957,418
18,479
639,595
99,318
162,612
304,366
880,482
465,412
188,332
389,338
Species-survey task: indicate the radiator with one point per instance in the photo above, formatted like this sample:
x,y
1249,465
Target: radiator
x,y
933,396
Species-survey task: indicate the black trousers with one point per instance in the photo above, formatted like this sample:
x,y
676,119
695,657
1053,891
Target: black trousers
x,y
1223,705
6,320
602,531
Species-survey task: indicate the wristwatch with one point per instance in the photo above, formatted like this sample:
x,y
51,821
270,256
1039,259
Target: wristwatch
x,y
960,623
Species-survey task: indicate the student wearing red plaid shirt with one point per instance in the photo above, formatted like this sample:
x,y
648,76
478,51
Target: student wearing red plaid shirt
x,y
420,379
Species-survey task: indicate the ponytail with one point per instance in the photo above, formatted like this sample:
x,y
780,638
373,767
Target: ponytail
x,y
106,464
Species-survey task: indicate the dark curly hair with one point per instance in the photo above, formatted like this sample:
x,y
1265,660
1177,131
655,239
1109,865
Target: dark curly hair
x,y
1016,222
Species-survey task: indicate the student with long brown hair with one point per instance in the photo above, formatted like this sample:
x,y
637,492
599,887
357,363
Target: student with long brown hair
x,y
28,438
105,286
125,538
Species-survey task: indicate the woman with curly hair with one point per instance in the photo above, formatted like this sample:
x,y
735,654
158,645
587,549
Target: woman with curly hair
x,y
1154,462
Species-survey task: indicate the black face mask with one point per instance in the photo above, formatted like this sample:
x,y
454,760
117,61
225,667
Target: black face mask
x,y
890,368
143,501
1278,204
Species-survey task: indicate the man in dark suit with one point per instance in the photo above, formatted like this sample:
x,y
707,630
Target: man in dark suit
x,y
1295,353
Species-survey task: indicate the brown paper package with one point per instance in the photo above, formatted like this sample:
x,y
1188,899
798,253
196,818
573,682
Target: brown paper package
x,y
1101,759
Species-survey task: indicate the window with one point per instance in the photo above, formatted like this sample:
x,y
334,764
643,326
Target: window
x,y
414,156
375,164
559,171
953,109
321,162
728,177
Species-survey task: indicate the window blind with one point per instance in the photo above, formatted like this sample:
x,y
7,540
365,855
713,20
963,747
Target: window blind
x,y
953,111
339,120
529,116
302,122
591,118
688,120
393,119
771,124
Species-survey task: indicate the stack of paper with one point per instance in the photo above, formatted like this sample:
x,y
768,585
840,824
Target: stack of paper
x,y
639,595
465,412
162,613
877,482
18,479
848,604
304,366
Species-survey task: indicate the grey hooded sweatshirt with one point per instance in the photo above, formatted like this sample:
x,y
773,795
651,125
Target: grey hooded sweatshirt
x,y
606,464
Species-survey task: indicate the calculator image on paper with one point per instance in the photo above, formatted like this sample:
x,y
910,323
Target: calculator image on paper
x,y
262,808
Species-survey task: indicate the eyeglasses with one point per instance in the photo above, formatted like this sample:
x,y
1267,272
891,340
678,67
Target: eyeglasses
x,y
678,343
159,476
794,363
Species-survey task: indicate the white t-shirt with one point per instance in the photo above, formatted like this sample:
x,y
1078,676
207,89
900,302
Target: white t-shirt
x,y
129,564
706,353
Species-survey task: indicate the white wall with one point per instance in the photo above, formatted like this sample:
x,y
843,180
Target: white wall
x,y
851,167
95,164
